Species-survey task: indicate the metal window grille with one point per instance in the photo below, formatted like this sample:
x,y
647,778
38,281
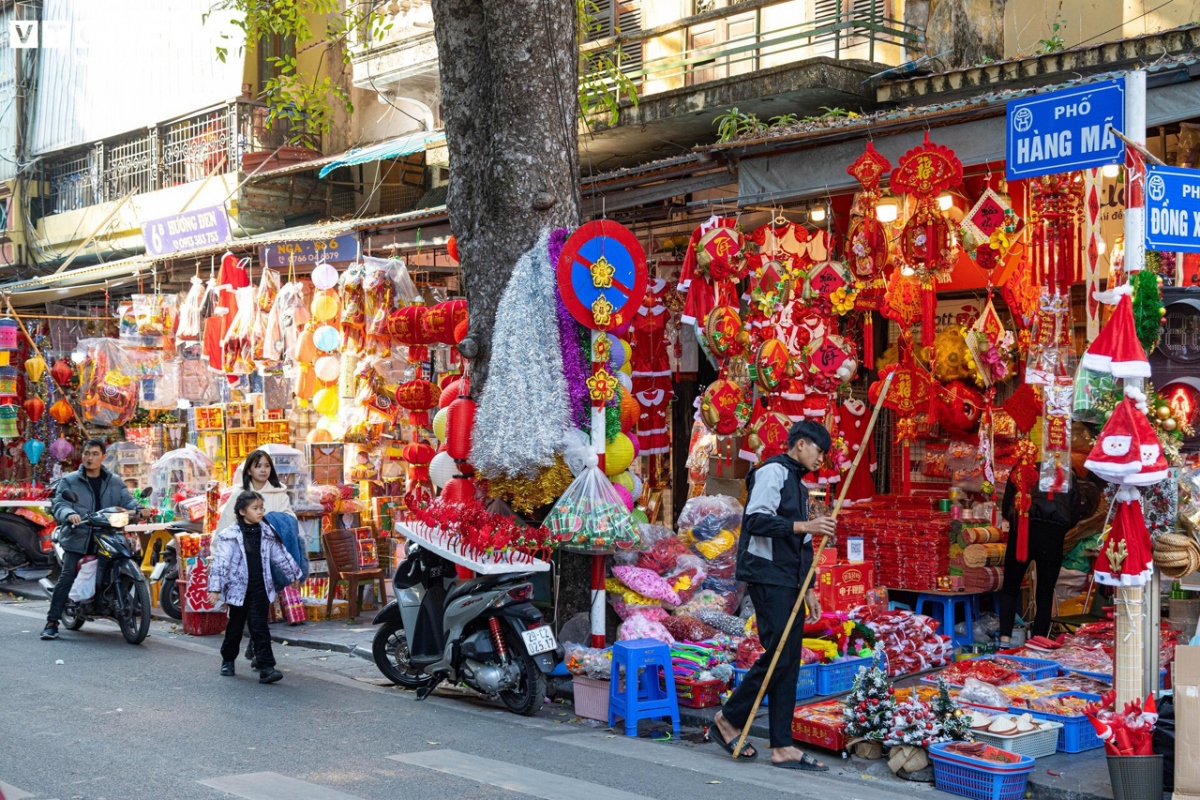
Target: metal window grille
x,y
131,165
195,147
74,182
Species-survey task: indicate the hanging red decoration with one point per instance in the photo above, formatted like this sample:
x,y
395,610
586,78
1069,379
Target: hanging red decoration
x,y
458,490
62,412
417,397
61,372
867,241
439,322
460,422
1055,214
452,247
418,455
925,243
34,407
450,392
407,326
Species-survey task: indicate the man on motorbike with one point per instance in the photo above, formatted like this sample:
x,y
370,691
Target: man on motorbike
x,y
94,488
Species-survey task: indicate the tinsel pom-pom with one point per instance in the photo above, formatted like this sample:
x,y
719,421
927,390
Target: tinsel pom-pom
x,y
526,495
1147,308
524,410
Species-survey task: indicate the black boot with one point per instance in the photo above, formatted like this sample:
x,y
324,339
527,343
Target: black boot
x,y
270,675
227,669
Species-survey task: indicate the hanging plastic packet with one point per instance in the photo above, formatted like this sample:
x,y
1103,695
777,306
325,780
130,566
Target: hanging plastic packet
x,y
108,384
591,517
1054,474
1090,388
379,294
353,309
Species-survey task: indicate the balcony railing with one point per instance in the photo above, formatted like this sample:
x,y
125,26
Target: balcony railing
x,y
210,142
865,35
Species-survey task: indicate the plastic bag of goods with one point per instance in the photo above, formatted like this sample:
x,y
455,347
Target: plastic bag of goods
x,y
711,514
590,517
593,662
639,627
108,386
182,474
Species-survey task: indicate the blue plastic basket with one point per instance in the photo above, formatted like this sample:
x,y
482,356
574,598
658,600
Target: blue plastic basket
x,y
978,779
1077,733
839,677
806,685
1039,668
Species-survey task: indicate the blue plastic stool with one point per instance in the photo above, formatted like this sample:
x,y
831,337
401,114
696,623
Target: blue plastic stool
x,y
895,605
642,685
945,610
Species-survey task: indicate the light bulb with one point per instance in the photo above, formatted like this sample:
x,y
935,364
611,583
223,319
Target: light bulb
x,y
817,214
945,201
1110,170
1101,247
887,210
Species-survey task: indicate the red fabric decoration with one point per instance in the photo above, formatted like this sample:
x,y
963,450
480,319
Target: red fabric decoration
x,y
34,407
1023,407
1024,476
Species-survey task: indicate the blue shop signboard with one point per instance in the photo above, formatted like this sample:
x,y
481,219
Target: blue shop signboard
x,y
190,230
1173,209
333,250
1065,130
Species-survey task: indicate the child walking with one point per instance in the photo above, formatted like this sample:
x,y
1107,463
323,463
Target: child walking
x,y
240,574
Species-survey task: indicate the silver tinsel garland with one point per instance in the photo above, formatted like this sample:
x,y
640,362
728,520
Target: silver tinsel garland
x,y
524,410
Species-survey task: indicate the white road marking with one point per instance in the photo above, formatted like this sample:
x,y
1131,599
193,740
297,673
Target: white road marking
x,y
527,781
273,786
714,762
10,792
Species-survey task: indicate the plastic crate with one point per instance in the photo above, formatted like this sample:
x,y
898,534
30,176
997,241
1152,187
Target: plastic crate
x,y
1077,734
591,697
978,779
838,678
806,684
698,694
1039,668
1035,744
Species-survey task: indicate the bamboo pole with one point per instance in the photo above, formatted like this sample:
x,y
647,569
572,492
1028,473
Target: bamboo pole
x,y
812,570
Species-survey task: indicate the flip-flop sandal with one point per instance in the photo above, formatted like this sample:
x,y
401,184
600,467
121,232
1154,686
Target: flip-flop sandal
x,y
749,751
806,764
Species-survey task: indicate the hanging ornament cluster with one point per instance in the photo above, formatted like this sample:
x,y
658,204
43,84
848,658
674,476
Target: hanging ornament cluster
x,y
989,230
927,249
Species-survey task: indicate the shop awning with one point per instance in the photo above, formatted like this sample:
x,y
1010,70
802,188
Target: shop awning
x,y
393,148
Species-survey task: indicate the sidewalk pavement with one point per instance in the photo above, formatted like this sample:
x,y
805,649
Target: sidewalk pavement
x,y
1082,776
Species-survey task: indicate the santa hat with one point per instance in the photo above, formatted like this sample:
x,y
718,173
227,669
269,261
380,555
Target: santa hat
x,y
1117,452
1150,711
1125,558
1154,465
1117,349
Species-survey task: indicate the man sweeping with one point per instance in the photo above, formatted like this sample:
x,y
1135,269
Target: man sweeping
x,y
774,556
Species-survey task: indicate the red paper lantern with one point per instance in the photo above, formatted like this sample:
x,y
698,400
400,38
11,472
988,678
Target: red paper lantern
x,y
418,397
450,392
62,372
459,490
407,326
452,247
460,422
461,330
34,408
418,455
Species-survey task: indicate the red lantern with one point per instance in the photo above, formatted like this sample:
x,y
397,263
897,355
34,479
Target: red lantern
x,y
61,372
450,392
418,455
460,331
418,397
34,408
407,326
452,247
460,422
459,490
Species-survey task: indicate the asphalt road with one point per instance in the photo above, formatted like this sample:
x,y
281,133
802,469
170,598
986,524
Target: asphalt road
x,y
89,717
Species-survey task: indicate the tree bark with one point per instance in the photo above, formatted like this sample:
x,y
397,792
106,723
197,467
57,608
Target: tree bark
x,y
971,29
509,82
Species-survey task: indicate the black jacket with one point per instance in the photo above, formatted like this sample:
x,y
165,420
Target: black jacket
x,y
112,494
791,555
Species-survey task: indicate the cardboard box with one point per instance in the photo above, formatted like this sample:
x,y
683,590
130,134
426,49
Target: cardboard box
x,y
842,587
1187,723
822,729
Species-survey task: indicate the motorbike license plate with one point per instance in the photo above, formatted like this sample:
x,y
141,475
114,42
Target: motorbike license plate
x,y
539,640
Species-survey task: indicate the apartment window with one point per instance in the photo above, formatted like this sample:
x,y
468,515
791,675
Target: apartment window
x,y
270,48
613,17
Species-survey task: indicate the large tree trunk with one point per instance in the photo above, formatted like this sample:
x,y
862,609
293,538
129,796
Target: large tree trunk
x,y
509,98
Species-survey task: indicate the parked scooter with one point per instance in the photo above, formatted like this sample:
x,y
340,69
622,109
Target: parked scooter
x,y
484,633
122,593
165,563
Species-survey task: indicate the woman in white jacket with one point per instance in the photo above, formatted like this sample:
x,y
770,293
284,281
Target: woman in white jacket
x,y
258,475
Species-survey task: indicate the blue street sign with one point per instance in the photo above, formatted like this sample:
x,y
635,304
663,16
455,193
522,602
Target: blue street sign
x,y
1172,209
1065,130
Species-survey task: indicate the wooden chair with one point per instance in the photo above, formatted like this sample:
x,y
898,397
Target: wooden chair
x,y
341,554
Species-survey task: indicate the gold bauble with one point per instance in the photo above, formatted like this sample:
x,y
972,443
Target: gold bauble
x,y
1162,312
1170,424
1163,412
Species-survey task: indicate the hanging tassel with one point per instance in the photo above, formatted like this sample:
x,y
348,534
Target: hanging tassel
x,y
928,314
1023,532
869,340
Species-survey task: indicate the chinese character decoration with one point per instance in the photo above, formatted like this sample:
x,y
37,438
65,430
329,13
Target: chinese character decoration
x,y
724,407
1057,399
989,230
713,264
926,246
830,288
